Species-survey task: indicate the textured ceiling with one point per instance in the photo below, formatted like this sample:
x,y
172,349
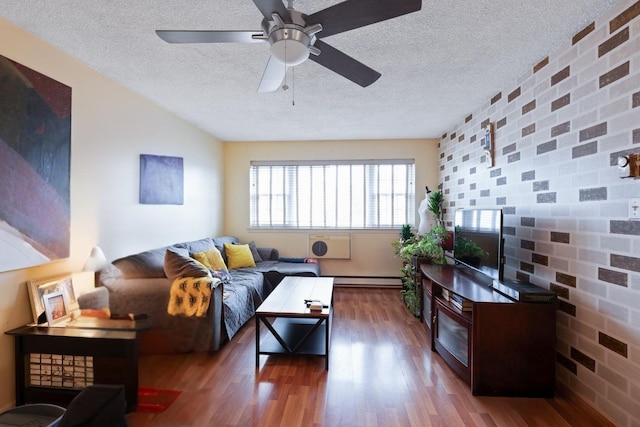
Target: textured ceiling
x,y
437,65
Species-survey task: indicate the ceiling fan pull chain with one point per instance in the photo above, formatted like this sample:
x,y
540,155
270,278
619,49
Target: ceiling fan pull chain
x,y
293,86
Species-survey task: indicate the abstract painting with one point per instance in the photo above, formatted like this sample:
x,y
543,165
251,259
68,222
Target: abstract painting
x,y
35,147
161,180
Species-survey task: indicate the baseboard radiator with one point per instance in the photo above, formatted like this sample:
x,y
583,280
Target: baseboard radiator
x,y
367,282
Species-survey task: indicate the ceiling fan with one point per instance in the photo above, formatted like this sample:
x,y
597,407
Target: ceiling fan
x,y
295,37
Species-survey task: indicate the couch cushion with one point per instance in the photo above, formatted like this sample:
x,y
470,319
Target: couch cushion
x,y
289,268
178,263
145,264
254,252
211,258
238,256
269,254
196,246
220,241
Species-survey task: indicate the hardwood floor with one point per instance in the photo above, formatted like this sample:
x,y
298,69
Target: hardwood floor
x,y
382,373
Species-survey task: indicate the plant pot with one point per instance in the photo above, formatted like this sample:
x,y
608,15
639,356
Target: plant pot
x,y
417,260
447,244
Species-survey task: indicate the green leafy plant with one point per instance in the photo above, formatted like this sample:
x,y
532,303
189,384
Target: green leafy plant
x,y
406,232
467,250
407,236
413,252
411,295
436,199
430,245
427,246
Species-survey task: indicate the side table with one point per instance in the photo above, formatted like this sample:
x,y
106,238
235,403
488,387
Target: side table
x,y
53,364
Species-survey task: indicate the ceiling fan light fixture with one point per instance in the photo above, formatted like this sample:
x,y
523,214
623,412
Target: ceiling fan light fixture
x,y
293,36
290,46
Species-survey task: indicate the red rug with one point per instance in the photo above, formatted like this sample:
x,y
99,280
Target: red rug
x,y
152,399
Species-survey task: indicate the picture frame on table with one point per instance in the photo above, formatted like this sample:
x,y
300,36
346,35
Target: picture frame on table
x,y
56,308
38,288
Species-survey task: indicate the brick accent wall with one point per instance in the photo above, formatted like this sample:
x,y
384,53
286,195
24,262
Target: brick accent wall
x,y
558,132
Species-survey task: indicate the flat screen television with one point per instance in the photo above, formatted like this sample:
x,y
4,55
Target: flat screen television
x,y
478,241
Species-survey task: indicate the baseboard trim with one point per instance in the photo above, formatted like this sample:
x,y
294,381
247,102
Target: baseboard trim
x,y
565,394
367,282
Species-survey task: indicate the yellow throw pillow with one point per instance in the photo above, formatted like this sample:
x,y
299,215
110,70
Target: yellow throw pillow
x,y
238,256
211,258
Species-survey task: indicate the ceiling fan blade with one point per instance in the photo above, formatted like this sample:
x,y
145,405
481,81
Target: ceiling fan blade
x,y
268,7
273,76
344,65
211,36
352,14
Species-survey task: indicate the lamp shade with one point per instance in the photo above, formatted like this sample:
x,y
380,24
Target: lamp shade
x,y
96,261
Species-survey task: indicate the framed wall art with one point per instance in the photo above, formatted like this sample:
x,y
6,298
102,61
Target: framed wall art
x,y
161,180
35,160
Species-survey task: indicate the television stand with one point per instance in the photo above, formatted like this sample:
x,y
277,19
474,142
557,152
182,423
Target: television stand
x,y
499,346
523,291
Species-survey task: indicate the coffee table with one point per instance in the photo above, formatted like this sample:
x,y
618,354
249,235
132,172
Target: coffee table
x,y
294,328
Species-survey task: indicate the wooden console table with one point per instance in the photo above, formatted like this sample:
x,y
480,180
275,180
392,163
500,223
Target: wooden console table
x,y
500,347
54,364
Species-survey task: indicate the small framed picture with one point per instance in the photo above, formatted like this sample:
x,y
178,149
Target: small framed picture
x,y
56,308
38,288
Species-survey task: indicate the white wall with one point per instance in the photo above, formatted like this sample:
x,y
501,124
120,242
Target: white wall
x,y
111,127
371,251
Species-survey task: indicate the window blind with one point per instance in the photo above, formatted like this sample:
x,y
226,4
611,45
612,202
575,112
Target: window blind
x,y
332,194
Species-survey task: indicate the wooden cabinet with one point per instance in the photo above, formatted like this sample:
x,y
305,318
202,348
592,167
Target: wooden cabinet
x,y
43,355
451,338
500,347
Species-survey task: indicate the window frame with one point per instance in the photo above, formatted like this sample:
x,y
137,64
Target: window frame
x,y
407,194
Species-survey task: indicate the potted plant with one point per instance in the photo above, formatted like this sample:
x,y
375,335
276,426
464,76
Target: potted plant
x,y
406,232
467,250
435,205
406,236
443,236
431,245
415,251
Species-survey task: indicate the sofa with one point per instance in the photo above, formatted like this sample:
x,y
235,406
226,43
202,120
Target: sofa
x,y
143,283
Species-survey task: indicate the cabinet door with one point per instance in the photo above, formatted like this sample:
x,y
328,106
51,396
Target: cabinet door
x,y
427,308
452,340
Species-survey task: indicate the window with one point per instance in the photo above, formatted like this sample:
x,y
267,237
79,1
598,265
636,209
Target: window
x,y
332,194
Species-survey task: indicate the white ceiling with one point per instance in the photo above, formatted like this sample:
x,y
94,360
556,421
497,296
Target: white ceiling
x,y
438,64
